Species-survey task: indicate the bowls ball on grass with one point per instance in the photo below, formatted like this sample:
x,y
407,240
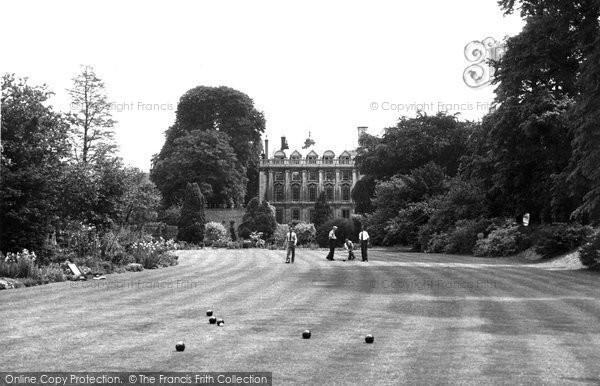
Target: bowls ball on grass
x,y
220,324
180,346
306,334
209,313
212,320
369,338
220,321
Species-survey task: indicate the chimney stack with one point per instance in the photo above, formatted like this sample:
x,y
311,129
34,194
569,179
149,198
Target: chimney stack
x,y
284,144
267,147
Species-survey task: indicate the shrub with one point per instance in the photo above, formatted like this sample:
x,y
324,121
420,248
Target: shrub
x,y
279,234
589,253
305,232
463,237
505,240
18,265
552,240
438,242
345,230
215,232
259,217
404,228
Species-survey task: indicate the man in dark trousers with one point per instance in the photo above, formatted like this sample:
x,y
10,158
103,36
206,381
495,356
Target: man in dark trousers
x,y
291,240
332,240
363,238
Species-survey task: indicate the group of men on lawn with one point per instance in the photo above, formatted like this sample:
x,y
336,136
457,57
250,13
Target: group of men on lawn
x,y
363,238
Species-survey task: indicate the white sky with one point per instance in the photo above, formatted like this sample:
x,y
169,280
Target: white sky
x,y
308,65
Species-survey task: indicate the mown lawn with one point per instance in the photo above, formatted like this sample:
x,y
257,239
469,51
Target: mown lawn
x,y
435,318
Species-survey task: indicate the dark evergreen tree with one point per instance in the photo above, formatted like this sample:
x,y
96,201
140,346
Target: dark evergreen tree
x,y
323,212
259,217
192,221
232,231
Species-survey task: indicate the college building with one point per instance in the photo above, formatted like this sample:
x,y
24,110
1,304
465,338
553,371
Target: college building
x,y
291,181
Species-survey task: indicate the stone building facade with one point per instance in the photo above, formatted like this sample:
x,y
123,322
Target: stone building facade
x,y
292,182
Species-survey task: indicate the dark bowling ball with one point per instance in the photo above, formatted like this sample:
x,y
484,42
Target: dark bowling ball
x,y
369,338
180,346
209,313
212,320
306,334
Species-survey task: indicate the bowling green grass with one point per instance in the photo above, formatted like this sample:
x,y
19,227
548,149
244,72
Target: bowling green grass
x,y
435,318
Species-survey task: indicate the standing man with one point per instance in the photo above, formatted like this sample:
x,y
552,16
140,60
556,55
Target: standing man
x,y
332,240
363,237
291,240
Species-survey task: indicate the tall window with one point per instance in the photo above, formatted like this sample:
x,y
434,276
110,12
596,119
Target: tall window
x,y
345,160
346,213
295,193
279,215
279,176
346,175
329,193
313,175
345,193
278,192
312,193
329,176
295,214
296,176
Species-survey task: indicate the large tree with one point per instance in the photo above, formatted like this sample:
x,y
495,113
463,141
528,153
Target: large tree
x,y
205,111
412,143
528,136
91,117
34,143
203,157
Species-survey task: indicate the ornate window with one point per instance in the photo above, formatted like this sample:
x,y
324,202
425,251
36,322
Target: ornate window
x,y
345,193
278,192
346,175
346,213
329,193
295,214
313,175
279,176
312,193
296,176
295,193
329,176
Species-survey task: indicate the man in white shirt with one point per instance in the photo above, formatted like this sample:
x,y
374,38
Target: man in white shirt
x,y
363,238
291,241
332,241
